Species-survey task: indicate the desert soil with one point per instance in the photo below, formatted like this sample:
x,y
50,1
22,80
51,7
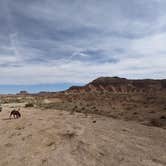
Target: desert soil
x,y
58,138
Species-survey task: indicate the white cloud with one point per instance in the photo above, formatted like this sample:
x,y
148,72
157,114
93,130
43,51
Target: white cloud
x,y
47,41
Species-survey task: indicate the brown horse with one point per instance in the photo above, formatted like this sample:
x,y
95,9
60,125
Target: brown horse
x,y
15,114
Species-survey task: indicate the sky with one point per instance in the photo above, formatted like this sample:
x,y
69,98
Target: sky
x,y
53,44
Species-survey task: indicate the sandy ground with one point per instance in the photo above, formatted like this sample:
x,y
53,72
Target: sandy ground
x,y
57,138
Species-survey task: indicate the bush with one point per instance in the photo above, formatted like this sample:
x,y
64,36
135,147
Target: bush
x,y
163,117
29,105
155,122
83,108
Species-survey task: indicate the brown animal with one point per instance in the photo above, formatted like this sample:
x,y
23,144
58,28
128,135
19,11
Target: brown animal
x,y
15,114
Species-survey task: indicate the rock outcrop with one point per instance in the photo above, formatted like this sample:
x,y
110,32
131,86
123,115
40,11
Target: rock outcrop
x,y
121,85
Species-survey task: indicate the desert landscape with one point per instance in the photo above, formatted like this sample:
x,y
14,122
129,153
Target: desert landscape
x,y
83,83
110,121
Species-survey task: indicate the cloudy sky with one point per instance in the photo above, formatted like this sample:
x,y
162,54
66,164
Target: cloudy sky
x,y
52,44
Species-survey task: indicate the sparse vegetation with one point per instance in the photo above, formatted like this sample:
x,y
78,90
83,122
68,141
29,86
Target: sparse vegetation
x,y
133,105
69,134
29,105
155,122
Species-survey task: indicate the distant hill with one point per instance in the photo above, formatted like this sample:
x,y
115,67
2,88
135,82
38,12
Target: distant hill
x,y
23,92
121,85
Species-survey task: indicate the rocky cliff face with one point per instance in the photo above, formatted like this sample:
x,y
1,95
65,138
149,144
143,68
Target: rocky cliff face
x,y
121,85
138,100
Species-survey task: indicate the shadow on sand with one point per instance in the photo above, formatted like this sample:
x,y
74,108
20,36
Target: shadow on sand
x,y
7,118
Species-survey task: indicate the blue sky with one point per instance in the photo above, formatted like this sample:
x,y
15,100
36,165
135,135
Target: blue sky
x,y
65,42
13,89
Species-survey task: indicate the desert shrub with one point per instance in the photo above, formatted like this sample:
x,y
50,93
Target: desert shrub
x,y
163,117
96,110
75,108
50,143
78,110
29,105
93,107
88,105
69,134
135,113
58,105
155,122
70,100
83,108
152,111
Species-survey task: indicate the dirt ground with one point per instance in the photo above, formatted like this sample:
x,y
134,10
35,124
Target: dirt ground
x,y
58,138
